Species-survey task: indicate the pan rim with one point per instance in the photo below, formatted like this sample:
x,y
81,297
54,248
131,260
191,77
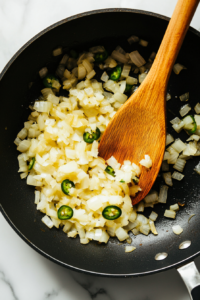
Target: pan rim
x,y
33,246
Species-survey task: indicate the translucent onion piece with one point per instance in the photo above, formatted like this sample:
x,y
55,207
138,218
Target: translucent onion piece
x,y
152,56
162,198
174,207
60,70
190,149
23,175
184,97
170,214
81,72
126,70
168,178
180,164
178,176
197,168
22,134
120,50
142,77
57,51
43,72
142,69
91,74
133,39
165,166
143,43
97,49
43,106
197,108
193,137
24,146
64,59
177,229
184,110
177,68
131,80
166,155
119,57
87,65
135,231
129,249
137,59
197,119
151,197
178,146
145,228
121,234
153,216
168,97
47,221
45,92
140,207
152,227
175,121
169,139
104,77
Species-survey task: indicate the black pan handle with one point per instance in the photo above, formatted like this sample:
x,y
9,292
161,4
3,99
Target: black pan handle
x,y
191,278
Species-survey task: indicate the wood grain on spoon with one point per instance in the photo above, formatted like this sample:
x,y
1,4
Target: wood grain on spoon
x,y
139,127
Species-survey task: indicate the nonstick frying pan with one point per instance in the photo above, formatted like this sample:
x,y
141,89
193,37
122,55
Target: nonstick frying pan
x,y
20,85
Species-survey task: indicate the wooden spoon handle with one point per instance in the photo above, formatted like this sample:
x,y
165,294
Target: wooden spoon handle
x,y
173,40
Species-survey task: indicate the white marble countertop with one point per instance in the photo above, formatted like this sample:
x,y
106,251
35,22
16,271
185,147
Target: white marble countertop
x,y
25,274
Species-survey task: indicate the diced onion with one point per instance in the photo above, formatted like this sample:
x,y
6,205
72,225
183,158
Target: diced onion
x,y
162,198
57,51
121,234
129,249
42,106
43,72
133,39
184,97
180,164
168,178
91,74
178,176
47,221
178,145
152,227
146,162
193,137
177,68
197,108
140,207
169,139
81,72
131,80
145,229
126,70
184,110
175,121
197,168
142,77
143,43
152,56
24,146
104,77
153,216
177,229
119,57
168,97
170,214
64,59
137,59
174,207
151,197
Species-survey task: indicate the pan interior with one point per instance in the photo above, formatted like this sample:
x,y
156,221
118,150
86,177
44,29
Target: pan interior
x,y
109,28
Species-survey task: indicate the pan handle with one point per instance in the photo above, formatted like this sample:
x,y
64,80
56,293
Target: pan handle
x,y
191,278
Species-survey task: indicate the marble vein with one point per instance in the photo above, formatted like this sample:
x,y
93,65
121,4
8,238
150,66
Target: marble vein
x,y
8,283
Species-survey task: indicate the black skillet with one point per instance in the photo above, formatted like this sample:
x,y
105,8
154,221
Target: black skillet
x,y
20,86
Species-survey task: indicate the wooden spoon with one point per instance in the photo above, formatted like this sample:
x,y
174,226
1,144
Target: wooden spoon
x,y
139,127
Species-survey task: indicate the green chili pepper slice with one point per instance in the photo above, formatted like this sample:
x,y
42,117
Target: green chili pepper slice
x,y
90,137
73,53
110,171
122,181
111,212
101,56
47,81
116,73
65,212
135,179
66,186
31,163
128,88
191,128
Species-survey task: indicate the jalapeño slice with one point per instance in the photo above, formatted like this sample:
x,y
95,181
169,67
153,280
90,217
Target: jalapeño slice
x,y
110,171
101,56
116,73
66,186
65,212
111,212
47,81
90,137
31,163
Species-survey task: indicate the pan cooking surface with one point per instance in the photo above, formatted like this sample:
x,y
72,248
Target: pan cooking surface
x,y
17,199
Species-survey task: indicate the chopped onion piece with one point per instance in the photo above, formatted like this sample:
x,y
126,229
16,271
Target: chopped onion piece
x,y
177,229
131,80
97,49
165,166
129,240
190,149
184,110
121,234
91,74
135,231
166,155
119,57
137,59
177,68
197,168
153,216
170,214
193,137
104,77
140,207
143,43
180,164
190,217
168,97
151,197
129,249
152,56
23,175
120,50
175,121
64,59
22,134
47,221
168,178
126,70
178,176
197,120
142,77
178,145
145,228
57,51
173,158
184,97
162,198
174,207
152,227
37,197
24,146
17,141
81,72
146,162
43,72
169,139
133,39
197,108
42,106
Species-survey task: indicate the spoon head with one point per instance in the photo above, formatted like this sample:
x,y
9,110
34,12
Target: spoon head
x,y
138,128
